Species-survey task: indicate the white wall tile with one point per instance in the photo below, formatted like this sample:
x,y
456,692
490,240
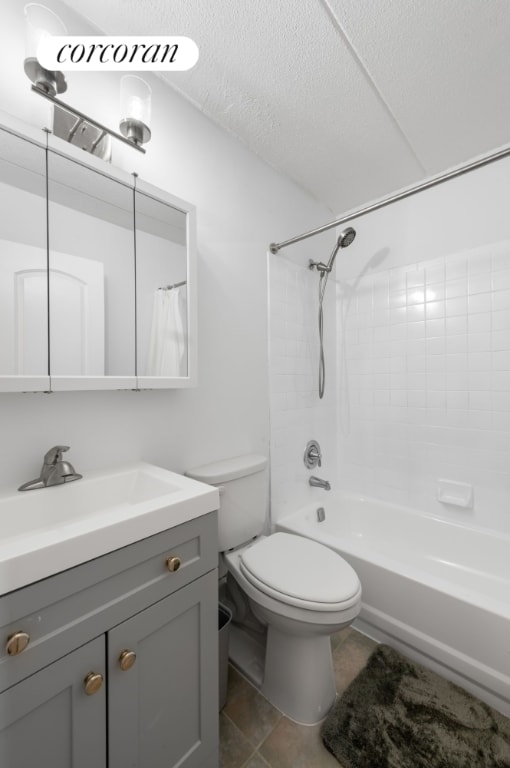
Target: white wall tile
x,y
415,312
480,322
479,283
482,361
436,328
480,303
456,306
436,345
500,340
456,344
501,320
448,387
456,324
501,360
480,342
501,279
456,288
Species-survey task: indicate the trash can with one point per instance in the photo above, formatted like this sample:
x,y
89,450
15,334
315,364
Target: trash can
x,y
224,619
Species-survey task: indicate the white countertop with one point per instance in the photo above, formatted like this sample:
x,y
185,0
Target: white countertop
x,y
48,530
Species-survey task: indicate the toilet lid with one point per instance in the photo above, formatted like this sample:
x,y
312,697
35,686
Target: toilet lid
x,y
297,570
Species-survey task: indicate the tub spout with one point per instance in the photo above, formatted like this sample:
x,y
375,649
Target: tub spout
x,y
317,482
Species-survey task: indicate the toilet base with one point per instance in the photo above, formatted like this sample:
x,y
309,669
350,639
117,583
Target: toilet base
x,y
247,653
298,675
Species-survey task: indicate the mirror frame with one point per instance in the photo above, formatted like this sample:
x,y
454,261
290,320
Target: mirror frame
x,y
49,383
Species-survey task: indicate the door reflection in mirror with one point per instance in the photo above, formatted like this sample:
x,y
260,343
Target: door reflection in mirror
x,y
23,262
91,272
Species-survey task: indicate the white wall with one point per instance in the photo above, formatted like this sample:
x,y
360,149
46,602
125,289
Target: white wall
x,y
424,349
242,205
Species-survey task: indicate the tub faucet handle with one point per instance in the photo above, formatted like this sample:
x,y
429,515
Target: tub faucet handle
x,y
313,455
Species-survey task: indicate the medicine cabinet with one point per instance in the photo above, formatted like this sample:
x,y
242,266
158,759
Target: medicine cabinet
x,y
97,273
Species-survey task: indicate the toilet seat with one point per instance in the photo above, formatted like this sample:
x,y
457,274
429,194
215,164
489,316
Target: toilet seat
x,y
300,572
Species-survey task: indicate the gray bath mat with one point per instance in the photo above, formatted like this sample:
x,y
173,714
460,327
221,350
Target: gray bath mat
x,y
397,714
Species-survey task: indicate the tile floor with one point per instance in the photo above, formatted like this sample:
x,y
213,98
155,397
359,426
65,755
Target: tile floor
x,y
253,734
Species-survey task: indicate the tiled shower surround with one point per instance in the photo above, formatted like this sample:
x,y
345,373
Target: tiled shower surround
x,y
424,382
418,326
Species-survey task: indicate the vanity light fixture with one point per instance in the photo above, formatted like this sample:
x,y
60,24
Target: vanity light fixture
x,y
40,22
135,108
68,122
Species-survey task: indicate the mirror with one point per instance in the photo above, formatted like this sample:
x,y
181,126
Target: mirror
x,y
161,289
97,273
91,277
23,265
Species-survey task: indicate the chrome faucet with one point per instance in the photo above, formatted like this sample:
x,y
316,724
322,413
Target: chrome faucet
x,y
312,457
54,471
317,482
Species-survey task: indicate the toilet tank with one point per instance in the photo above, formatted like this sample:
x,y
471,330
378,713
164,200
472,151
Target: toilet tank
x,y
242,483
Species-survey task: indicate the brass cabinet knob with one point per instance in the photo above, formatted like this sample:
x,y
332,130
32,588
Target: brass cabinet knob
x,y
93,683
173,563
127,659
16,643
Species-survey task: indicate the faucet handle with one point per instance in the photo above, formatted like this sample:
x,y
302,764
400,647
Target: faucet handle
x,y
316,455
313,455
55,454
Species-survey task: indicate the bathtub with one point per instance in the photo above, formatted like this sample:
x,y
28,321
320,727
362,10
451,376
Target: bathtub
x,y
435,590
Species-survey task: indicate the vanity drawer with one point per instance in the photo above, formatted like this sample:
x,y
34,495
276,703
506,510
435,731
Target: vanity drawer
x,y
65,611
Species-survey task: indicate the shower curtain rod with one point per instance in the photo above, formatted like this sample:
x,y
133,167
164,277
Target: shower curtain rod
x,y
169,287
433,182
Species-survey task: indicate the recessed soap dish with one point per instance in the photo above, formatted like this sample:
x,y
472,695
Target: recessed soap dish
x,y
455,493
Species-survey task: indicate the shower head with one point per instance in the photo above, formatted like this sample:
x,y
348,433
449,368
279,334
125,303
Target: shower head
x,y
346,237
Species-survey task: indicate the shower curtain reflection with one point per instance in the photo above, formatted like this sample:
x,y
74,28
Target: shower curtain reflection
x,y
169,336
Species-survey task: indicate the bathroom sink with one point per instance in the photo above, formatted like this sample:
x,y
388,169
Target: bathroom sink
x,y
47,530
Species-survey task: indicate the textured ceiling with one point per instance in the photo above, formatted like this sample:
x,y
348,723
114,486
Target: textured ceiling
x,y
351,98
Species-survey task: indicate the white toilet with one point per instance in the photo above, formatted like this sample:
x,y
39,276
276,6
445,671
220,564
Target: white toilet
x,y
301,590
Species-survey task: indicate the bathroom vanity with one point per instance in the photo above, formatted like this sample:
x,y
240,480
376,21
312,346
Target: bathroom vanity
x,y
114,662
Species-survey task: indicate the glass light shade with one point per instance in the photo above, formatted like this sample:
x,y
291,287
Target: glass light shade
x,y
135,108
40,22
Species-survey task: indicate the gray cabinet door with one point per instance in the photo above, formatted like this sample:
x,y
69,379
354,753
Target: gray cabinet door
x,y
49,720
163,711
